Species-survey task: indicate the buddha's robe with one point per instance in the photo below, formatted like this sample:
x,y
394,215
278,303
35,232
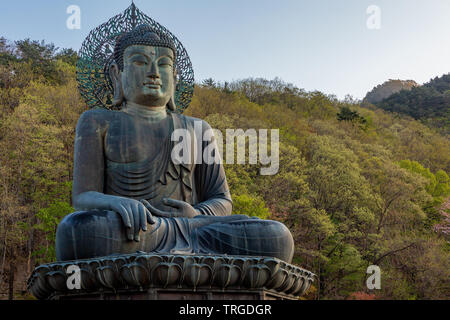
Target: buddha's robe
x,y
93,233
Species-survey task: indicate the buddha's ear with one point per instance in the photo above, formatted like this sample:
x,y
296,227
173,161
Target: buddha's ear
x,y
171,104
116,79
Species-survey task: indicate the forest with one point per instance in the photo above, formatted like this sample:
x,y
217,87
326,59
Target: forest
x,y
429,103
357,185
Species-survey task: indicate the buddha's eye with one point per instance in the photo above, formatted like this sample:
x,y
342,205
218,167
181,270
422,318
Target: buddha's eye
x,y
140,62
165,62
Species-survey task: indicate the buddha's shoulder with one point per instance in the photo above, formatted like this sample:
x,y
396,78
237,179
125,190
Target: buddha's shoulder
x,y
100,116
193,121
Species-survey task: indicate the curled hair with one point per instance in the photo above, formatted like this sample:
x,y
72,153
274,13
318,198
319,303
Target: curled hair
x,y
141,35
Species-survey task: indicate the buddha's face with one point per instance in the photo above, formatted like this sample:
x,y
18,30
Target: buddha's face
x,y
148,75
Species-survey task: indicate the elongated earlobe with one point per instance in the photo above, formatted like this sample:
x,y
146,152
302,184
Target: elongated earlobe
x,y
171,104
116,80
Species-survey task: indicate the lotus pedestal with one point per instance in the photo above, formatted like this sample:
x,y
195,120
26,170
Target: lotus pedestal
x,y
148,276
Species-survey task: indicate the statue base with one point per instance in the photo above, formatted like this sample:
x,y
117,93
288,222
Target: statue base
x,y
178,294
150,276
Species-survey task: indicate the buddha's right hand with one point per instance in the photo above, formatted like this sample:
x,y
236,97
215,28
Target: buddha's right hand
x,y
134,215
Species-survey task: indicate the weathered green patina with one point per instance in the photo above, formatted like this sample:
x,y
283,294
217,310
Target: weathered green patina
x,y
131,192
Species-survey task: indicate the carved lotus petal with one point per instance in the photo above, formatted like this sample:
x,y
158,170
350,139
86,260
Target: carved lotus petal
x,y
297,285
39,287
304,287
107,277
197,274
57,280
93,265
153,261
219,261
167,258
256,276
117,263
298,280
135,274
166,274
82,265
288,282
277,279
42,270
187,262
308,285
179,260
88,280
143,260
243,264
227,275
210,261
272,264
41,273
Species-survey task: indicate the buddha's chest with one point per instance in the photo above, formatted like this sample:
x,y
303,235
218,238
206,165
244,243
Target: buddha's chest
x,y
127,142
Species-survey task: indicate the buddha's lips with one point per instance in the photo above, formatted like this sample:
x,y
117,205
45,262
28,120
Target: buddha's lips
x,y
155,85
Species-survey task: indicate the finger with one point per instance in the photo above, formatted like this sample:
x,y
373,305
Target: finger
x,y
124,215
173,203
130,215
148,215
137,226
166,214
129,225
155,211
147,206
142,217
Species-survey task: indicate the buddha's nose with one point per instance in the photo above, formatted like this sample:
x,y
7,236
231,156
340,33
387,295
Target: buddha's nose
x,y
153,72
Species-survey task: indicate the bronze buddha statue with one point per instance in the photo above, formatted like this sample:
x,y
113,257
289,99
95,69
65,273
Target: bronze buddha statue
x,y
131,193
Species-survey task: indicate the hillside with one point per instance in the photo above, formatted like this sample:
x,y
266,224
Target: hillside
x,y
356,186
429,103
387,89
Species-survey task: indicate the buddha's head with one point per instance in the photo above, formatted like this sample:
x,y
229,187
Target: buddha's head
x,y
143,70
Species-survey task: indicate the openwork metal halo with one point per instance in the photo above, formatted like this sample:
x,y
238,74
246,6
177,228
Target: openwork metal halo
x,y
96,55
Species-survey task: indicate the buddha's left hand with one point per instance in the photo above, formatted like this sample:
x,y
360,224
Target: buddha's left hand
x,y
180,209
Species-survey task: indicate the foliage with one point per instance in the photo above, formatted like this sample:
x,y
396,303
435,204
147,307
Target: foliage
x,y
250,206
429,103
49,218
39,108
346,114
350,197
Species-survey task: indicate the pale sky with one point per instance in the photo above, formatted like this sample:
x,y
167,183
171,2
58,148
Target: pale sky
x,y
316,45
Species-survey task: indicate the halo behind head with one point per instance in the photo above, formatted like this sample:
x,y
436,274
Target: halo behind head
x,y
100,49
